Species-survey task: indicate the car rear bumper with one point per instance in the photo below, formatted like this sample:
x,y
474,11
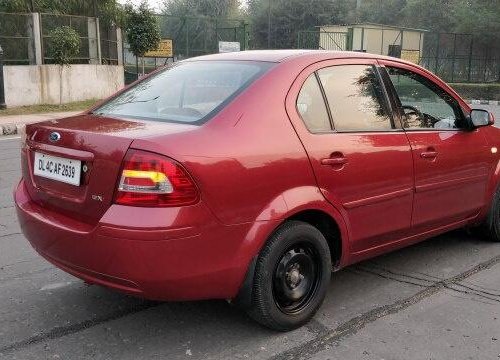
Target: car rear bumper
x,y
159,254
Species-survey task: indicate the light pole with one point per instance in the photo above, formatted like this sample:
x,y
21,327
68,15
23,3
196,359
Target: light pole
x,y
2,92
269,25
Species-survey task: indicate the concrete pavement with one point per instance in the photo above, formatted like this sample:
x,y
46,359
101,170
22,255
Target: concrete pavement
x,y
462,321
435,300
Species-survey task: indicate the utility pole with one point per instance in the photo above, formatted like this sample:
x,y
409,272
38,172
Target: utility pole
x,y
2,90
269,25
95,8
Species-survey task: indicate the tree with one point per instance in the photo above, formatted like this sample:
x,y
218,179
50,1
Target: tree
x,y
109,11
277,22
211,8
479,17
429,15
143,33
64,45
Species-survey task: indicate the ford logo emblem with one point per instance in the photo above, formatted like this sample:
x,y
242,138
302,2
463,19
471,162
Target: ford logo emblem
x,y
55,136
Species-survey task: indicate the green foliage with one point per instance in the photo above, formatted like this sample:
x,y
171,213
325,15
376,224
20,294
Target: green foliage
x,y
429,14
212,8
142,29
290,16
382,12
64,45
109,11
480,17
14,6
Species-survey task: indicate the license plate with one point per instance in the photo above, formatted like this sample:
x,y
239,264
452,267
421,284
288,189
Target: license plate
x,y
58,168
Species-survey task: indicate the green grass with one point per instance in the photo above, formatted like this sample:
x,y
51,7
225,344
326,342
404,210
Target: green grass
x,y
38,109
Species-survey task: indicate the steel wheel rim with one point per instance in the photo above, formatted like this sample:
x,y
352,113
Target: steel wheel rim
x,y
296,278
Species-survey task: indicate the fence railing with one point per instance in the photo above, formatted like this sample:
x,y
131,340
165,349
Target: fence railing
x,y
16,38
86,28
110,45
192,36
461,57
23,36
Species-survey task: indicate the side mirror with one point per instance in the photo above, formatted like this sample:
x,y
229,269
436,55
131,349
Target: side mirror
x,y
480,117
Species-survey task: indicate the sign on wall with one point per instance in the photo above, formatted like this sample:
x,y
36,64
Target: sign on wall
x,y
228,46
165,50
411,55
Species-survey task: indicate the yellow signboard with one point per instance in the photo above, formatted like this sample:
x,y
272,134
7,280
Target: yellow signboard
x,y
411,55
165,50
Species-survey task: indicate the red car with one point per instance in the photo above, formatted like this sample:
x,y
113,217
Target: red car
x,y
250,176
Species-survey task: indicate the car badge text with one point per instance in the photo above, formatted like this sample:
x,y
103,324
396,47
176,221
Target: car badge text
x,y
97,197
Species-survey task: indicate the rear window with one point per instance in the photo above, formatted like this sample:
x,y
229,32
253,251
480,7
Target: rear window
x,y
190,92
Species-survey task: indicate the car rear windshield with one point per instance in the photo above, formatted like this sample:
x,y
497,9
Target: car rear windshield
x,y
190,92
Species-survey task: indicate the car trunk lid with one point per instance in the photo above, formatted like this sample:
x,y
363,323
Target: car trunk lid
x,y
97,145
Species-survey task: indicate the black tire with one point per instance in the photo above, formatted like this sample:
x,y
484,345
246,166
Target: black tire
x,y
291,277
491,226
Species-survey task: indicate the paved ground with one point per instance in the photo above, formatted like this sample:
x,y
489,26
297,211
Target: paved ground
x,y
436,300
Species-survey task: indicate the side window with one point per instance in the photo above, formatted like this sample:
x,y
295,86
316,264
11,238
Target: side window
x,y
311,106
356,98
424,104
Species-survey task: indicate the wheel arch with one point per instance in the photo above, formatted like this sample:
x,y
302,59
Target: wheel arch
x,y
328,227
318,214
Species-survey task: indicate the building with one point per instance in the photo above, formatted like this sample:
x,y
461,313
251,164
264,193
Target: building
x,y
401,42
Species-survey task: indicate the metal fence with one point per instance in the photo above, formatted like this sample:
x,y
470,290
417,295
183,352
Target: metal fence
x,y
453,57
323,40
16,38
109,45
98,42
191,36
461,57
85,27
194,36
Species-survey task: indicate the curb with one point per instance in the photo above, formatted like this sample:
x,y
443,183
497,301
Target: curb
x,y
11,129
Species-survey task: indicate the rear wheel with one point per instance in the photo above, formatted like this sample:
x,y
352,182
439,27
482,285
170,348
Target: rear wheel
x,y
291,278
491,226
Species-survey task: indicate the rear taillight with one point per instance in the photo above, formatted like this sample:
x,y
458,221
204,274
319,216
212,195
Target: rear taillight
x,y
149,179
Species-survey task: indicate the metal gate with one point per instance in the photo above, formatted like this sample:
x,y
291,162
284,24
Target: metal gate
x,y
323,40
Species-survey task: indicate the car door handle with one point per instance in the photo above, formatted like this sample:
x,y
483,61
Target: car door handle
x,y
429,154
334,161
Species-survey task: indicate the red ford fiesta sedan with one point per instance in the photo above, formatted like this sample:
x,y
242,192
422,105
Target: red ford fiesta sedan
x,y
250,176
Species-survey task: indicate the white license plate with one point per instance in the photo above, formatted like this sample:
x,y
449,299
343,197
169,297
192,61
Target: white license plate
x,y
58,168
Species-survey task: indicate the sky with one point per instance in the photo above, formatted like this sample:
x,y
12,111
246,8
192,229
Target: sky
x,y
155,4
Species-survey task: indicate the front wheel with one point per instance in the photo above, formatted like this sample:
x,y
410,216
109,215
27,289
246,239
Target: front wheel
x,y
291,278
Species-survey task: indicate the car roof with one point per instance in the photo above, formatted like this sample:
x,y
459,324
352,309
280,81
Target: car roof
x,y
279,56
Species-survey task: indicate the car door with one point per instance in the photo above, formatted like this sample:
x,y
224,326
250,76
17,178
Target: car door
x,y
451,163
361,157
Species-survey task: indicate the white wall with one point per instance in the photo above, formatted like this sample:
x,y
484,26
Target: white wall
x,y
39,84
